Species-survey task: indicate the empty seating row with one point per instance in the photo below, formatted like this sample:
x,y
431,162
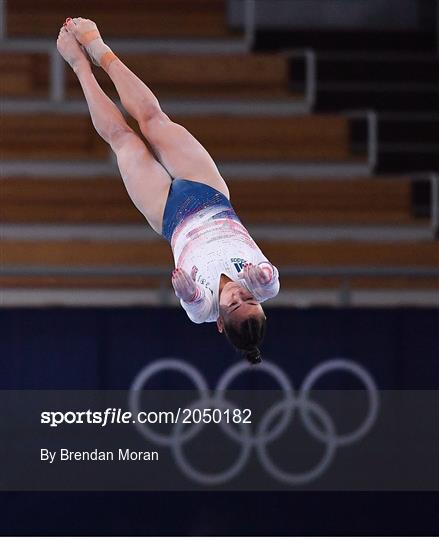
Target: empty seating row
x,y
211,76
139,282
24,75
153,253
384,200
130,18
301,138
53,256
50,136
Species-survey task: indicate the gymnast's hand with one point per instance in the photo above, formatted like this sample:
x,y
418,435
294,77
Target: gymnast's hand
x,y
256,276
185,287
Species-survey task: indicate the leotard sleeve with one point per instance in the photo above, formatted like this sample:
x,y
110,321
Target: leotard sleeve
x,y
264,291
199,310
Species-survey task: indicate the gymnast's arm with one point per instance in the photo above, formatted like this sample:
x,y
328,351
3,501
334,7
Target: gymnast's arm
x,y
194,299
199,310
272,286
262,280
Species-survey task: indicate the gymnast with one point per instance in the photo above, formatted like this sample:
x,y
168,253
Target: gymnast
x,y
220,273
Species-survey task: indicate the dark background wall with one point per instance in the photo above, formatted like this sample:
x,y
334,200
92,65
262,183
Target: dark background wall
x,y
105,348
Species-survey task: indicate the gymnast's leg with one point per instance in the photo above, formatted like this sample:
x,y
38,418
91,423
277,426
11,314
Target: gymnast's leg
x,y
178,151
145,179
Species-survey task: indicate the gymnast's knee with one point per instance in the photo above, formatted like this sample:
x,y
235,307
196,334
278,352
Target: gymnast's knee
x,y
151,117
117,135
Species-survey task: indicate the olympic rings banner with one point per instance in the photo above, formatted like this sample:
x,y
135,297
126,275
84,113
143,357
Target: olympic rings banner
x,y
287,437
141,399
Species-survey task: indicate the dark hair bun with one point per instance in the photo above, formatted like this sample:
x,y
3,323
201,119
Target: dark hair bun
x,y
253,356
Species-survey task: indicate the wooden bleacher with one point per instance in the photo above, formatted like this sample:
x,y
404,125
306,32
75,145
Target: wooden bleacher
x,y
50,136
147,282
378,201
213,76
104,254
313,139
301,138
157,253
384,201
24,75
365,201
130,18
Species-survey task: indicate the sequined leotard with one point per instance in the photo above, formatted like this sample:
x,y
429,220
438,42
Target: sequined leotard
x,y
208,241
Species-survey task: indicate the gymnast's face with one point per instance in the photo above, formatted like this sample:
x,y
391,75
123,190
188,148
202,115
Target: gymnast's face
x,y
237,304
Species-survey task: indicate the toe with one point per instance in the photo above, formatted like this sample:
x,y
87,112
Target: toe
x,y
71,25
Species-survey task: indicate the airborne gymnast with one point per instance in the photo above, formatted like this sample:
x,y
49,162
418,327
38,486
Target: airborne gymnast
x,y
220,273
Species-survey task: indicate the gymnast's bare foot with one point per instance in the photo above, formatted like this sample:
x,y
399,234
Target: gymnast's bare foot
x,y
87,34
70,50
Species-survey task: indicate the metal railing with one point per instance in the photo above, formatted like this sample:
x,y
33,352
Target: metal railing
x,y
435,205
371,118
2,19
434,200
437,25
250,23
